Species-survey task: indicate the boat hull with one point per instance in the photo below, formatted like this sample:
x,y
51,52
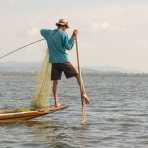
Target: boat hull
x,y
13,117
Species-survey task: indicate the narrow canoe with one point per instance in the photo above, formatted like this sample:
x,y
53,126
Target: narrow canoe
x,y
12,117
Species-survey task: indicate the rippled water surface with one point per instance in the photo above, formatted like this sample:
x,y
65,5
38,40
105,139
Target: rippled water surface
x,y
117,115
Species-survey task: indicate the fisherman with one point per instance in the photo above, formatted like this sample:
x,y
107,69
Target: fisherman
x,y
58,43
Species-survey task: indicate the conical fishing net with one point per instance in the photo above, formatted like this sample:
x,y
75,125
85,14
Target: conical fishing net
x,y
42,91
44,85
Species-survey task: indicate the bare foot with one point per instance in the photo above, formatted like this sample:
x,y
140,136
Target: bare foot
x,y
86,99
58,105
45,109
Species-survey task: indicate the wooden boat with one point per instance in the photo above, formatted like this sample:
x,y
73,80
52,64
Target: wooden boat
x,y
12,117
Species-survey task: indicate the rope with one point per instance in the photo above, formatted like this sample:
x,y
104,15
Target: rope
x,y
22,47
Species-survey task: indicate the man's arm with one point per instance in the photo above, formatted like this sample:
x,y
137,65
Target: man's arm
x,y
44,33
69,43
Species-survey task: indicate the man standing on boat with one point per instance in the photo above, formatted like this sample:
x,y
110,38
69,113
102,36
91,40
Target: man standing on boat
x,y
58,44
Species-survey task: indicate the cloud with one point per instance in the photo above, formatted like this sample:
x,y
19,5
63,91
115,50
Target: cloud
x,y
100,26
105,26
12,2
34,31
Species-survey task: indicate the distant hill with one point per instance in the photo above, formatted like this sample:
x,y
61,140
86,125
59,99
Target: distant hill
x,y
33,67
19,67
108,69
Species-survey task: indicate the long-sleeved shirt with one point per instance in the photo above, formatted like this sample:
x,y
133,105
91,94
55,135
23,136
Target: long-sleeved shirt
x,y
58,43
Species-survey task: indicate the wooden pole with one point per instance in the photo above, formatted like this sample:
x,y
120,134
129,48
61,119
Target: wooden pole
x,y
79,70
82,88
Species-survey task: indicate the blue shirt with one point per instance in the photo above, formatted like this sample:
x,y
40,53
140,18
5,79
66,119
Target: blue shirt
x,y
58,43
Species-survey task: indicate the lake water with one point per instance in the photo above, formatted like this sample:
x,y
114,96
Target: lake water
x,y
117,115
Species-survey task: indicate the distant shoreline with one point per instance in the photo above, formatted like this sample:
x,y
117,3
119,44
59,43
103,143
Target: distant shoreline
x,y
15,67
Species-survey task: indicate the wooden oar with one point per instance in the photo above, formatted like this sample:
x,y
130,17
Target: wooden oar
x,y
82,88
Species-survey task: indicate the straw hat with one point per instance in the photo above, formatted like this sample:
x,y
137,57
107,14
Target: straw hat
x,y
62,22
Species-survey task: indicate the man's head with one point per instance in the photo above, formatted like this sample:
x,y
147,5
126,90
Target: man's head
x,y
62,24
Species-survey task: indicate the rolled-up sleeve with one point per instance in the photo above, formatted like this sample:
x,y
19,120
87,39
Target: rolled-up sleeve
x,y
44,33
68,43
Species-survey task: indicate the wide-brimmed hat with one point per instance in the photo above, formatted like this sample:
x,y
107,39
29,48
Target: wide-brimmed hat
x,y
63,22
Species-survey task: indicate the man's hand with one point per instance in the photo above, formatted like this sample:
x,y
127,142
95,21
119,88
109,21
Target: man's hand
x,y
75,33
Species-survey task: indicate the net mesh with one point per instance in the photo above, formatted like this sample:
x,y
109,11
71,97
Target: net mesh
x,y
44,85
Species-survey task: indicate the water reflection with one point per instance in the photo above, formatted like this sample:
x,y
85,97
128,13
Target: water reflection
x,y
44,131
58,134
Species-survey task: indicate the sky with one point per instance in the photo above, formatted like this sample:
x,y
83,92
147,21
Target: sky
x,y
112,33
